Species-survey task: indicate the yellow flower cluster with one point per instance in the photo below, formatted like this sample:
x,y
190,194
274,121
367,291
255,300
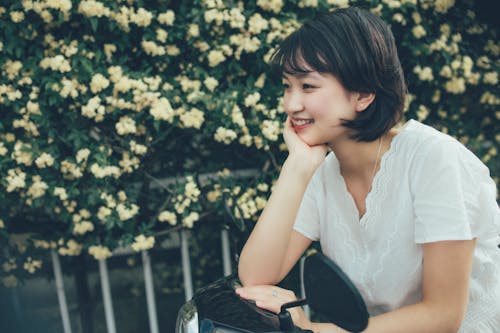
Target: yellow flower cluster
x,y
225,135
32,265
73,248
37,188
99,252
142,243
249,203
16,179
167,216
57,63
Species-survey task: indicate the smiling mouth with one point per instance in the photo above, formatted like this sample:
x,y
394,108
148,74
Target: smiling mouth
x,y
301,122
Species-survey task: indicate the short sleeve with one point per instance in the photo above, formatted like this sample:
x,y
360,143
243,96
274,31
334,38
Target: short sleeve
x,y
307,220
454,197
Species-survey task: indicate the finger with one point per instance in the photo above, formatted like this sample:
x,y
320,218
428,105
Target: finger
x,y
267,297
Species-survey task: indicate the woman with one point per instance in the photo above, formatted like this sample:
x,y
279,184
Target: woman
x,y
409,214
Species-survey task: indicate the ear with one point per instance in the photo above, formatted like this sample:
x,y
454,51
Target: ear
x,y
364,100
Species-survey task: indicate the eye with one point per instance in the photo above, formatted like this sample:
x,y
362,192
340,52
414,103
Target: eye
x,y
306,86
285,85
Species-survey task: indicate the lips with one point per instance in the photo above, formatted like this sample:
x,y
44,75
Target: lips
x,y
301,123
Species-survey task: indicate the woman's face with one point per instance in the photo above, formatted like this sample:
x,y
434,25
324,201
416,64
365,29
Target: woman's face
x,y
316,103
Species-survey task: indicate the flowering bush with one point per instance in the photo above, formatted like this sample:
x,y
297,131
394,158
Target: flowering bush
x,y
111,111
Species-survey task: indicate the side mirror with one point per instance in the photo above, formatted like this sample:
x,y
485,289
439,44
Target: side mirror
x,y
331,293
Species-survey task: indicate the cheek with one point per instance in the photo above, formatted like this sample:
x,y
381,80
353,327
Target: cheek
x,y
320,107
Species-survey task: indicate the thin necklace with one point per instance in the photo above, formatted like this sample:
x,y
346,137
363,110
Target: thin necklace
x,y
376,158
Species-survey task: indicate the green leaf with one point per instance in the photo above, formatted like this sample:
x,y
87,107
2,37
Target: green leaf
x,y
94,23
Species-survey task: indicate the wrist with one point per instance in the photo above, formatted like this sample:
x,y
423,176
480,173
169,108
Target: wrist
x,y
300,165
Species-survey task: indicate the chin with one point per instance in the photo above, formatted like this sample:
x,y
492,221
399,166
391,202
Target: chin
x,y
311,141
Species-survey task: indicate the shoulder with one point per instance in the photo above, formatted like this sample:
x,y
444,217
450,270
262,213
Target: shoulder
x,y
427,145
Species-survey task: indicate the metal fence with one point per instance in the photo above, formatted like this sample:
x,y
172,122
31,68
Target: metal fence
x,y
148,281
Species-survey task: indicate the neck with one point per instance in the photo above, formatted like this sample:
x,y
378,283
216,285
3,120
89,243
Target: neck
x,y
360,159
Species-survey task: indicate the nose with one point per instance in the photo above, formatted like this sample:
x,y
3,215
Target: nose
x,y
293,102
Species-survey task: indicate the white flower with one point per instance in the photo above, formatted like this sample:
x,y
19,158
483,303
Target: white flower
x,y
270,129
125,126
152,48
338,3
98,83
308,3
274,6
3,150
44,160
83,227
142,242
224,135
12,68
93,8
126,213
418,31
256,24
167,216
167,18
142,18
252,99
38,188
161,35
491,78
162,110
137,148
455,85
99,252
191,189
56,63
237,19
424,74
193,118
446,72
173,50
17,16
107,171
82,155
189,220
422,113
215,57
442,6
193,31
32,265
103,213
61,193
16,179
72,249
211,83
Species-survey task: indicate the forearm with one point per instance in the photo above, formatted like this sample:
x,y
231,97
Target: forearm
x,y
263,255
416,318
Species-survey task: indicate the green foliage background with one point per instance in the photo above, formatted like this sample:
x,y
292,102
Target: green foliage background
x,y
121,120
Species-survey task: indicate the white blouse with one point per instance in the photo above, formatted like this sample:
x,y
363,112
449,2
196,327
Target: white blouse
x,y
429,188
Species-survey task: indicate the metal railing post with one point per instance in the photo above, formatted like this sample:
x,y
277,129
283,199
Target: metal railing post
x,y
302,288
226,252
61,296
186,265
106,296
150,294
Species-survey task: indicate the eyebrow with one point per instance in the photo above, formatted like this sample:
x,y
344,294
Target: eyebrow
x,y
301,75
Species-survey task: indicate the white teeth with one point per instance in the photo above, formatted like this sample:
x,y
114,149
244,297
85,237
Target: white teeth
x,y
300,122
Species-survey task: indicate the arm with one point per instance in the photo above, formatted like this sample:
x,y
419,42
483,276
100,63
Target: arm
x,y
447,267
273,246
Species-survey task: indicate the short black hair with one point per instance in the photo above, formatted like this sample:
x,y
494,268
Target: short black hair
x,y
358,48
